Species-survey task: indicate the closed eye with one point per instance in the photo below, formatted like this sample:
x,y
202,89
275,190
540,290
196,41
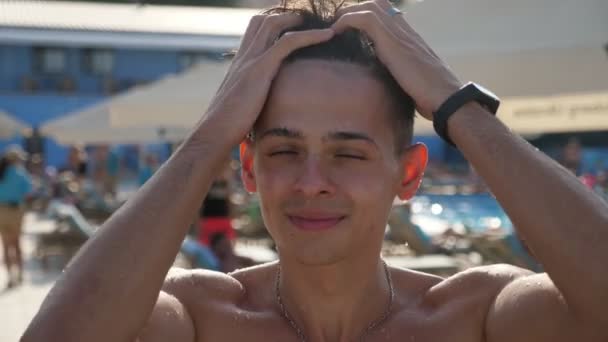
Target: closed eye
x,y
351,156
286,152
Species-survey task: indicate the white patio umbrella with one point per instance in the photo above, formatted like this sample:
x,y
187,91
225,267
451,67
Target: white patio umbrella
x,y
177,101
181,100
164,111
10,127
93,126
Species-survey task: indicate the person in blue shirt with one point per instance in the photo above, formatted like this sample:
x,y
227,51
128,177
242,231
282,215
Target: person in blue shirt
x,y
15,185
150,165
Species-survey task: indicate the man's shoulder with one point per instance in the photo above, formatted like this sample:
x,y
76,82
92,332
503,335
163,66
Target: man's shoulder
x,y
499,273
482,283
182,282
205,285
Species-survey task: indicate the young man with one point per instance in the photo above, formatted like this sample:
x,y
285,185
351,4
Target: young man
x,y
324,159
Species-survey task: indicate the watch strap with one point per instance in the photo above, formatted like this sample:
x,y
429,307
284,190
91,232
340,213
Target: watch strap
x,y
469,92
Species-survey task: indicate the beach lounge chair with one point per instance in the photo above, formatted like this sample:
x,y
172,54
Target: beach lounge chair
x,y
503,248
402,230
71,232
428,256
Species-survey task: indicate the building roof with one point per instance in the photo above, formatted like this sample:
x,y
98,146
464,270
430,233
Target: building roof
x,y
132,25
453,27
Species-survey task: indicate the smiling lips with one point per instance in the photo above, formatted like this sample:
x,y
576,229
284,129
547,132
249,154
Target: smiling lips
x,y
316,221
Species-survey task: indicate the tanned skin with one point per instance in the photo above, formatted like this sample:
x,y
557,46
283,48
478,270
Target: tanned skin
x,y
323,153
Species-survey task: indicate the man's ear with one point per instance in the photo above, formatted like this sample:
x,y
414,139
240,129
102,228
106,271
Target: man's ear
x,y
414,161
247,175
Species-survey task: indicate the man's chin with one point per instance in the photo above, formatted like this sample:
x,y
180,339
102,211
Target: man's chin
x,y
321,251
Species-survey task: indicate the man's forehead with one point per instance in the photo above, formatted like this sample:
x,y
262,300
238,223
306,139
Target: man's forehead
x,y
322,75
312,91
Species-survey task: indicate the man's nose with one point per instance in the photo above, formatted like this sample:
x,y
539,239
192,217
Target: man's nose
x,y
314,178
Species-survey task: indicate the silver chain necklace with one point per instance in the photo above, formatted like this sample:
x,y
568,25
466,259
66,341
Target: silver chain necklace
x,y
373,324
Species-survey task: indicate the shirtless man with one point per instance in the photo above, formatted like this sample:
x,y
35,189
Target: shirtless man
x,y
323,159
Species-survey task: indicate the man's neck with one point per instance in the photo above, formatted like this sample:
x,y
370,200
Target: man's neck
x,y
334,302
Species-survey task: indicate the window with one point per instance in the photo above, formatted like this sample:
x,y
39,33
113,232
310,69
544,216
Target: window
x,y
189,59
98,61
49,60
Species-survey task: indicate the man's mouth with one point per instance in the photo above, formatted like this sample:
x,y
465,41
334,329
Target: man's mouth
x,y
315,222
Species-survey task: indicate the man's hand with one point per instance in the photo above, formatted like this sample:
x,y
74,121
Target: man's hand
x,y
415,66
243,92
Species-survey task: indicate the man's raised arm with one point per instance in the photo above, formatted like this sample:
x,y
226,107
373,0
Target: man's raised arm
x,y
564,224
109,290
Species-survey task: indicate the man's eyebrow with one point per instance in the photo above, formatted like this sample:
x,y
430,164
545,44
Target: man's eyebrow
x,y
345,135
295,134
281,132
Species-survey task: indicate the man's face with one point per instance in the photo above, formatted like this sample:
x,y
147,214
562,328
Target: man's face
x,y
324,161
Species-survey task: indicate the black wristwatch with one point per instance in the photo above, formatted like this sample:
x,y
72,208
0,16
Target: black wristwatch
x,y
469,92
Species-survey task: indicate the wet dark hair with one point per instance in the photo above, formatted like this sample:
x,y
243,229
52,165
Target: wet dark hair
x,y
351,46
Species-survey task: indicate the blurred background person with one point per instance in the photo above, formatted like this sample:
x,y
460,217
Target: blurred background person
x,y
76,162
601,184
15,185
215,211
42,182
106,169
572,155
147,168
71,177
197,254
228,259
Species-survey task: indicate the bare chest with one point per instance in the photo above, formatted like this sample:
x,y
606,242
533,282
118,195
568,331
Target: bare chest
x,y
233,324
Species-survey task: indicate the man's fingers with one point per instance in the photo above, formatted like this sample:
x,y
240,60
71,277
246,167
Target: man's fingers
x,y
382,9
365,21
363,6
252,29
292,41
270,29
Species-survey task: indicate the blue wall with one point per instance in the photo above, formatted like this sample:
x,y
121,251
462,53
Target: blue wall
x,y
38,109
131,67
15,61
144,64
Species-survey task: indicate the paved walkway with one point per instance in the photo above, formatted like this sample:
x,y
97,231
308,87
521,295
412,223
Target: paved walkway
x,y
19,305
